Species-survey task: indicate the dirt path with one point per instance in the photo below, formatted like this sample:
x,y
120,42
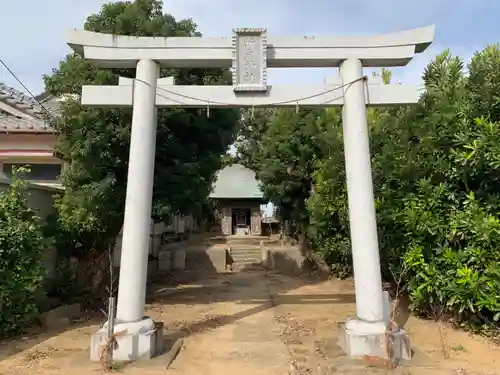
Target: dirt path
x,y
252,323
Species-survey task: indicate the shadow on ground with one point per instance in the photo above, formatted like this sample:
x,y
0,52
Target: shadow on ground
x,y
207,287
36,335
202,286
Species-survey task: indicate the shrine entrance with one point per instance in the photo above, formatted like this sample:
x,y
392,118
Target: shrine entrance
x,y
250,53
241,221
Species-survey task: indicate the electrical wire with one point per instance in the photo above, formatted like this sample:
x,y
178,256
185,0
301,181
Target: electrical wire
x,y
47,111
24,87
207,102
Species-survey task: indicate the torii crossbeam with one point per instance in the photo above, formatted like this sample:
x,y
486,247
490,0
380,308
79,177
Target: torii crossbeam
x,y
330,94
249,53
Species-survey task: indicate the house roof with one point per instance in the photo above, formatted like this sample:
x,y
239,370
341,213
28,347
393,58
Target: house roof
x,y
20,112
33,185
236,182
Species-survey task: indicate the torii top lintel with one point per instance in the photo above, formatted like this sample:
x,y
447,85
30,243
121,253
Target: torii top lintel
x,y
119,51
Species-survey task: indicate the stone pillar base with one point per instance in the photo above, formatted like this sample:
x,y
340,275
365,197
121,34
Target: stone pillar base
x,y
136,341
359,339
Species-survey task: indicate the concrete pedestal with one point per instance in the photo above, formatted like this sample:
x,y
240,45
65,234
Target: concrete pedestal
x,y
359,338
172,259
141,340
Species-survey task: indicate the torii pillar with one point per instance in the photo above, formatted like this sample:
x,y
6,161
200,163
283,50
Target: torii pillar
x,y
139,197
370,314
247,53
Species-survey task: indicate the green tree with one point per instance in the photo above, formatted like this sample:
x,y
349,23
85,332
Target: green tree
x,y
435,169
95,141
483,83
282,146
254,126
327,206
436,175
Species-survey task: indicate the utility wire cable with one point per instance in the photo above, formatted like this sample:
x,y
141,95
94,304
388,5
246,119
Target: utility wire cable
x,y
205,101
47,111
14,75
275,104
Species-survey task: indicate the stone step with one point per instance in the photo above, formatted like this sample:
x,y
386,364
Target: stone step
x,y
246,253
246,256
241,244
245,263
250,241
247,260
245,249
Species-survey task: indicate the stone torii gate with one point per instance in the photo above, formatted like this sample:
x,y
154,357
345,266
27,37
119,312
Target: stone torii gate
x,y
249,53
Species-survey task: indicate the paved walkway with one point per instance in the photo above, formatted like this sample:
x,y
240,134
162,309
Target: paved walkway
x,y
251,323
247,338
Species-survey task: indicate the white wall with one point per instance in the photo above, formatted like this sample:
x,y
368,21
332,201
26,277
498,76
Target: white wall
x,y
179,225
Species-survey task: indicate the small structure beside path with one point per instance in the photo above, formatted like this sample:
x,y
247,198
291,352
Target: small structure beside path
x,y
239,198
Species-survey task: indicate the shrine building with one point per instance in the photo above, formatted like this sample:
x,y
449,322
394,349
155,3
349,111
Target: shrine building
x,y
239,198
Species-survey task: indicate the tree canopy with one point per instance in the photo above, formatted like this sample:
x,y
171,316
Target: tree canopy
x,y
95,141
435,168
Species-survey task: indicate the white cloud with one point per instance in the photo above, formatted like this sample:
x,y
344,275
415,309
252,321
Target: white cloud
x,y
38,46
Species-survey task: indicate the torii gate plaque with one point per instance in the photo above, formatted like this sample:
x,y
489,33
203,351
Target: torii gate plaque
x,y
250,52
249,60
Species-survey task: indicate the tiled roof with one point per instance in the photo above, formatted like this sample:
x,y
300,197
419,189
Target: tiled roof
x,y
236,182
19,100
33,121
13,123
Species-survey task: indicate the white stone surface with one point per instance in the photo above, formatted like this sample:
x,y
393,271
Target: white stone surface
x,y
264,254
249,60
179,259
180,225
141,341
362,220
165,264
148,91
155,244
360,338
322,95
165,260
170,259
386,50
387,307
137,222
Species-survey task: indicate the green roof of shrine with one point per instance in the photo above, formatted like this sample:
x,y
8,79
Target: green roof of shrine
x,y
236,182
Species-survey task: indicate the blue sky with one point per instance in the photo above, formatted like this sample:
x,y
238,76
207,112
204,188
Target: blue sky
x,y
36,42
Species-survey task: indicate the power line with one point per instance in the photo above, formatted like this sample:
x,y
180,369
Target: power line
x,y
208,101
25,88
205,101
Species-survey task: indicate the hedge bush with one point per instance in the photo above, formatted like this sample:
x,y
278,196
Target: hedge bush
x,y
21,271
436,173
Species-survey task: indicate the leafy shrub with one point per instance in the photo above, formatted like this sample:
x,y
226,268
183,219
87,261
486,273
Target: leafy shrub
x,y
21,271
460,276
436,172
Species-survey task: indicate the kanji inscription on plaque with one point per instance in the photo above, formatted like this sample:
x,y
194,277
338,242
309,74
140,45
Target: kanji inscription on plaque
x,y
249,60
